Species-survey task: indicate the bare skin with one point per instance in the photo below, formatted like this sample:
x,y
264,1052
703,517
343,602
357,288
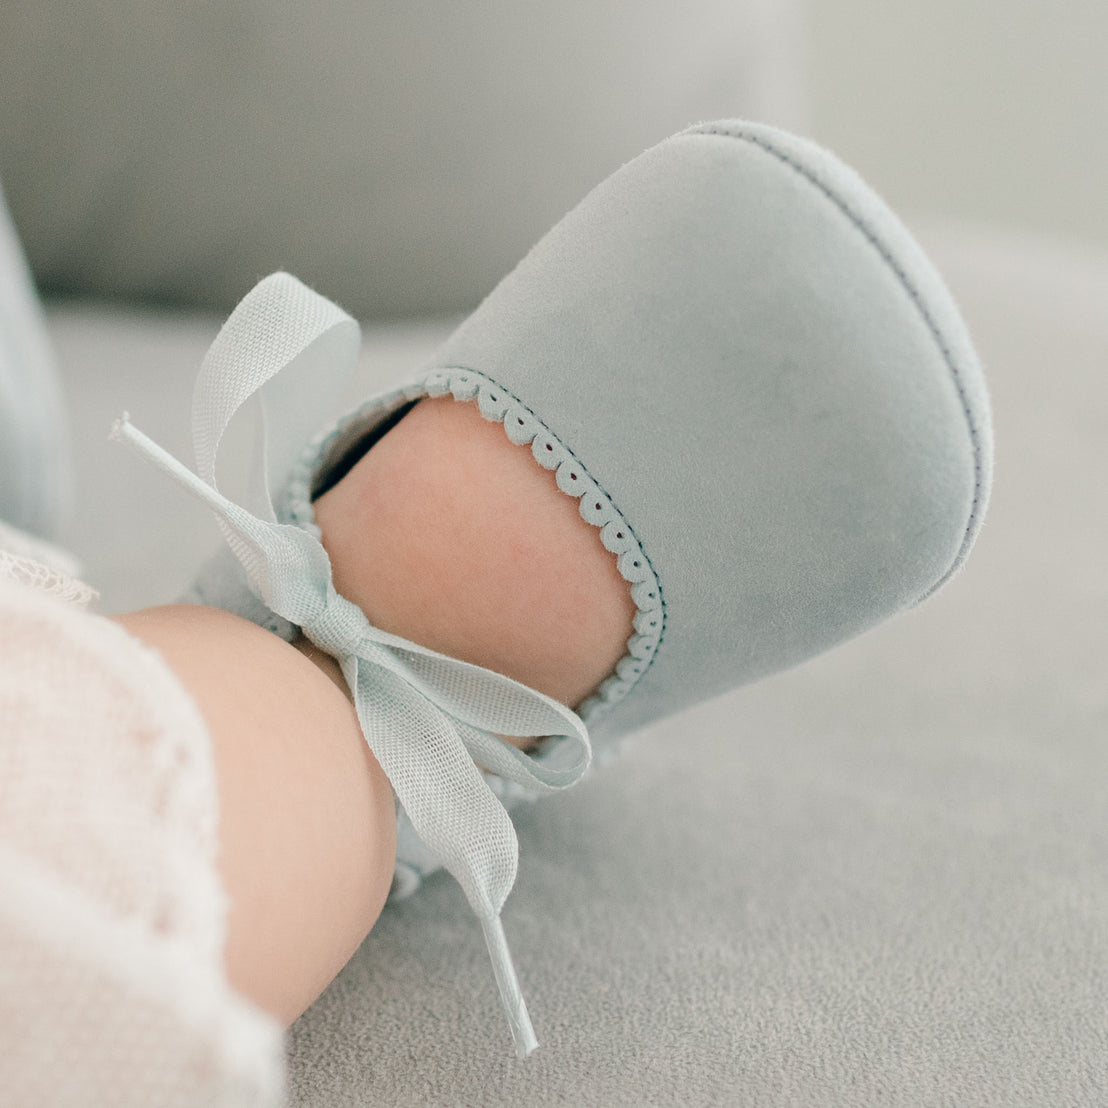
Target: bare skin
x,y
447,534
307,824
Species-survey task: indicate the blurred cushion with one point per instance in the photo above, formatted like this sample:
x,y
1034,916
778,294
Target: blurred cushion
x,y
400,157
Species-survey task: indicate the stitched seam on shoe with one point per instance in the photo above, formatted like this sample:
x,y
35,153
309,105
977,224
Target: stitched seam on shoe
x,y
890,260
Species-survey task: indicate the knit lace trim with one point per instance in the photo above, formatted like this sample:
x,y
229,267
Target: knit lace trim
x,y
523,427
29,560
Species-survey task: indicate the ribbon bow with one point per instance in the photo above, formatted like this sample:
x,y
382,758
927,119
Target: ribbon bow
x,y
428,718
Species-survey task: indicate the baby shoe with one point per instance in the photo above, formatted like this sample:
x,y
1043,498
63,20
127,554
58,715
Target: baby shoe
x,y
758,390
746,371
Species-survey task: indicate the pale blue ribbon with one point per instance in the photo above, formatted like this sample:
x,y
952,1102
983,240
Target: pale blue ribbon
x,y
430,720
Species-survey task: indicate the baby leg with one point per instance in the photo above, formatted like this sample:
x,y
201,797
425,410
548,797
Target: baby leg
x,y
307,828
448,534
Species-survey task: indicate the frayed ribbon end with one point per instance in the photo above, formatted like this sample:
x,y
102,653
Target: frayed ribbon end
x,y
511,996
117,433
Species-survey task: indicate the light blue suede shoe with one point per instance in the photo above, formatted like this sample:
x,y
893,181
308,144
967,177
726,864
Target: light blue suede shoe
x,y
757,389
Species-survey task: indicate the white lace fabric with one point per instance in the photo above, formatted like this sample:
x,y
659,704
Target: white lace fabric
x,y
33,561
112,917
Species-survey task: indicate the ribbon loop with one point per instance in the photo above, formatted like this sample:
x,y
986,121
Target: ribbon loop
x,y
429,719
294,350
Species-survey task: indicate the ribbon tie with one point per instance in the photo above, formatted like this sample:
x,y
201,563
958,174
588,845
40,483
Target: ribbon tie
x,y
429,719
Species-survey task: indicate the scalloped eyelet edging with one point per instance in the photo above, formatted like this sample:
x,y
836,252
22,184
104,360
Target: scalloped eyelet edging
x,y
523,427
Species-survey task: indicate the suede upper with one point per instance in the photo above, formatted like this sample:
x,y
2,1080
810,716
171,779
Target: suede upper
x,y
752,359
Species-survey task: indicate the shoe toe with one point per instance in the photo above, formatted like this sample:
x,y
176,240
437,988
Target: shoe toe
x,y
751,357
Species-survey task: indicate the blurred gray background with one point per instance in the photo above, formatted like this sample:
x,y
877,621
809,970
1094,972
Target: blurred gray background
x,y
986,111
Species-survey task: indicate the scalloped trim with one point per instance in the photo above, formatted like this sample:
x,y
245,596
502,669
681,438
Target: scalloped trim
x,y
523,427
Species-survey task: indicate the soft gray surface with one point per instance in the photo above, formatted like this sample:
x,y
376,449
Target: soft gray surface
x,y
878,878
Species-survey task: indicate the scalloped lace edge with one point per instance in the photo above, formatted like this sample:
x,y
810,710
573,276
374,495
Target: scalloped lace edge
x,y
523,427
